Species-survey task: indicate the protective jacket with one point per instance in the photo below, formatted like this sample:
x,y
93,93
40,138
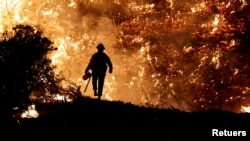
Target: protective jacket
x,y
99,63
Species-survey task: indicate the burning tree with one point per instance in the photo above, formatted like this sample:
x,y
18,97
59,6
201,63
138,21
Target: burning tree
x,y
196,51
24,64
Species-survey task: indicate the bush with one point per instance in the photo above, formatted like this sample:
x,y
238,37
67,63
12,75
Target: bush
x,y
24,64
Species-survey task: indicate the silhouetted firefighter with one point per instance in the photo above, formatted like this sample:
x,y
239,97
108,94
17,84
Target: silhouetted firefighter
x,y
98,65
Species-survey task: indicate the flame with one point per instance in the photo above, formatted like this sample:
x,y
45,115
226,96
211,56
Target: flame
x,y
59,97
171,3
31,112
198,7
146,7
216,22
216,59
10,14
245,109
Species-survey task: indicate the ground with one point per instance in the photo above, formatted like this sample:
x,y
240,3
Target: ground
x,y
91,119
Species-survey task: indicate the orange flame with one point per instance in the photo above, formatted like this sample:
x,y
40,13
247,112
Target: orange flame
x,y
30,113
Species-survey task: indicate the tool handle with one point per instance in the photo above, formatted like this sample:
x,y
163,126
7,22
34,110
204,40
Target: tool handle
x,y
87,84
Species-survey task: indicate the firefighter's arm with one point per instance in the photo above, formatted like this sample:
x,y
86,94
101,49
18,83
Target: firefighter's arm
x,y
110,66
110,70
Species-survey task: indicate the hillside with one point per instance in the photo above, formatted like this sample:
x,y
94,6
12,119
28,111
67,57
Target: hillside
x,y
89,118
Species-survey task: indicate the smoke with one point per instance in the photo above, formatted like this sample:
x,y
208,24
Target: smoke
x,y
76,27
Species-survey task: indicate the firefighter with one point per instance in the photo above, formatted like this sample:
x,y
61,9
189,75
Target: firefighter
x,y
98,64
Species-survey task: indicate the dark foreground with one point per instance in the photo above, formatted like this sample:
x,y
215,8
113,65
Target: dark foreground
x,y
88,119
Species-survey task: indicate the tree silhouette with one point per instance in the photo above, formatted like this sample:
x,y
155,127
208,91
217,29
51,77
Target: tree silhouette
x,y
24,64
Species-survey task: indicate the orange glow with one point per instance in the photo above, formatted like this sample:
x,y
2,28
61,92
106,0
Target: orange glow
x,y
245,109
30,112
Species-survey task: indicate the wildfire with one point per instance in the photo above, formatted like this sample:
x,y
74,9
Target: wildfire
x,y
245,109
198,7
10,13
30,112
59,97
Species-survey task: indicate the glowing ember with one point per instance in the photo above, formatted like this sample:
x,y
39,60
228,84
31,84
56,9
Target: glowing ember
x,y
59,97
245,109
30,113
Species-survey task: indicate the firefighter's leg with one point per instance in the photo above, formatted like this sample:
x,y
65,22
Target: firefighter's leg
x,y
100,84
94,84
